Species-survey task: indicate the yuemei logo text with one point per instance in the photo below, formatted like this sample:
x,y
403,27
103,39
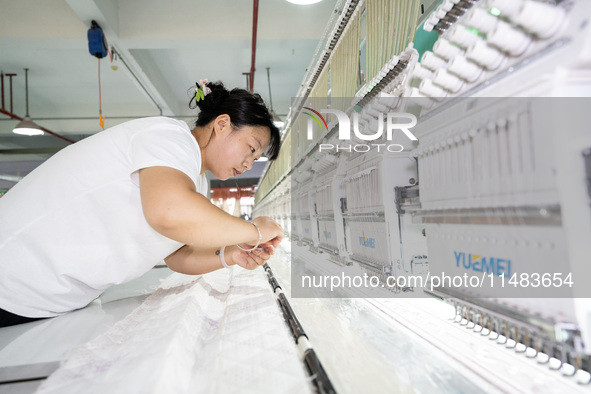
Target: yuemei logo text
x,y
367,242
480,263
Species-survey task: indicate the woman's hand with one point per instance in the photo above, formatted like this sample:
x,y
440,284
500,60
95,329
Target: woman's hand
x,y
249,260
271,232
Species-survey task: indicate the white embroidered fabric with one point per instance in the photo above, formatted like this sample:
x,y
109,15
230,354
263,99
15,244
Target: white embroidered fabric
x,y
217,333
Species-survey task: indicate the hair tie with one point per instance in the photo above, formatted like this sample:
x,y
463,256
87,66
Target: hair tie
x,y
201,90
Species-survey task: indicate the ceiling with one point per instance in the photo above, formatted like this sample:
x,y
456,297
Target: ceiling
x,y
165,46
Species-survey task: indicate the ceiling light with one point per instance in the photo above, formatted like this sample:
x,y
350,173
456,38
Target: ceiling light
x,y
27,126
304,2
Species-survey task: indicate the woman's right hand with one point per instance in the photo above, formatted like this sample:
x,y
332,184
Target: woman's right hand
x,y
271,232
248,260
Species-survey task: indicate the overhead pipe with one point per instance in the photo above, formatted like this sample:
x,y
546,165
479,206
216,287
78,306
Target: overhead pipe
x,y
10,79
250,75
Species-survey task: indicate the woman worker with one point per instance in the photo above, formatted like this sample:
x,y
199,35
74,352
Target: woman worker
x,y
107,209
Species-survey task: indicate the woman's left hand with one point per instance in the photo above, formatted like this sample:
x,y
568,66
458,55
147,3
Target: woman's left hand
x,y
249,260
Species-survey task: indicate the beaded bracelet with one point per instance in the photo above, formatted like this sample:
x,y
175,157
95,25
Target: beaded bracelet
x,y
221,254
258,242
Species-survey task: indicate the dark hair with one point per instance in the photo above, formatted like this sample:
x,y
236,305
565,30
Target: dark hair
x,y
243,107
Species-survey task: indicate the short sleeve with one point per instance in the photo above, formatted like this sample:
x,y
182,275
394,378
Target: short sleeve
x,y
166,145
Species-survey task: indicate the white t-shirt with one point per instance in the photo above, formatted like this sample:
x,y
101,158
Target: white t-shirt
x,y
75,225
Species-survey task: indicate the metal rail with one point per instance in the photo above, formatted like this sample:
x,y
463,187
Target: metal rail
x,y
317,373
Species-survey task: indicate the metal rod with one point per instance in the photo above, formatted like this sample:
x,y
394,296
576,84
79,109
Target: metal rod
x,y
27,90
94,117
2,79
269,80
113,117
10,80
25,151
138,80
310,359
247,75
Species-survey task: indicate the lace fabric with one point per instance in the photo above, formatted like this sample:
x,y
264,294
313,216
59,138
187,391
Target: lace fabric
x,y
217,333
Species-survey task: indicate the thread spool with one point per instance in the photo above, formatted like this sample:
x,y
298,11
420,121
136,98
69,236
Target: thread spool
x,y
485,55
541,19
509,39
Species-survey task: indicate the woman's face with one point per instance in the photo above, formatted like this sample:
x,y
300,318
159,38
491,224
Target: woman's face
x,y
237,150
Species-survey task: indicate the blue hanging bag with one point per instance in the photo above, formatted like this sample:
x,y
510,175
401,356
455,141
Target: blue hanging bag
x,y
97,43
